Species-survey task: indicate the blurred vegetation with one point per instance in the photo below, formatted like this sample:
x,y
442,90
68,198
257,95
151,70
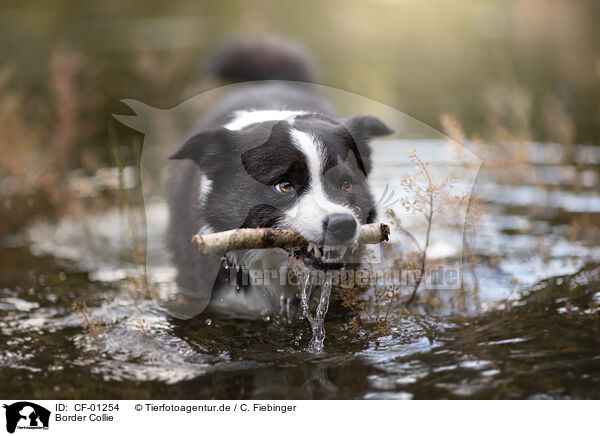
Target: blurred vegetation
x,y
529,66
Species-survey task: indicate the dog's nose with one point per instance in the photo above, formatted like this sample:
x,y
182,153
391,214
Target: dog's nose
x,y
339,227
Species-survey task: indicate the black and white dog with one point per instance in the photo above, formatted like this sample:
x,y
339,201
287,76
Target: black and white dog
x,y
270,154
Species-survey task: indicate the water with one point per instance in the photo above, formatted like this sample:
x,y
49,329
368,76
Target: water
x,y
317,321
531,331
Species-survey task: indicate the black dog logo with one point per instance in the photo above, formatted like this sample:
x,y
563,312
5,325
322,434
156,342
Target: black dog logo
x,y
26,415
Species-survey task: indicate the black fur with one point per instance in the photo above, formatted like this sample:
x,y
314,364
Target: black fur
x,y
245,165
262,58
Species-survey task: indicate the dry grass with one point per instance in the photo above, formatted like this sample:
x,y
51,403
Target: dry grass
x,y
133,224
374,311
427,198
91,323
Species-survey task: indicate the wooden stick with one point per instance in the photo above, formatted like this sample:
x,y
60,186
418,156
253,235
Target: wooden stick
x,y
240,239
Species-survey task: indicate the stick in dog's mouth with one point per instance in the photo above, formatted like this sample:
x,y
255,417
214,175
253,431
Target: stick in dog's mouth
x,y
321,256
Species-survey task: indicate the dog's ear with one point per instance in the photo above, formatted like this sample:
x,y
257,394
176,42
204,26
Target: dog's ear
x,y
362,128
210,149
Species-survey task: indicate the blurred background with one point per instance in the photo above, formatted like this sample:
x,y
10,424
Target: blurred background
x,y
528,67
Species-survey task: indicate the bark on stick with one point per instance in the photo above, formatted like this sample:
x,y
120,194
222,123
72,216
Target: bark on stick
x,y
240,239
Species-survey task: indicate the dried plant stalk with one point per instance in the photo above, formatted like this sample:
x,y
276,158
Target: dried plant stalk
x,y
89,322
240,239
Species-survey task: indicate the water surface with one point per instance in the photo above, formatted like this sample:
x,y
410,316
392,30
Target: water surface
x,y
531,331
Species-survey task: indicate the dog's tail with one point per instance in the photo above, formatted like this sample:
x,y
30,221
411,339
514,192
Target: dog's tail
x,y
262,58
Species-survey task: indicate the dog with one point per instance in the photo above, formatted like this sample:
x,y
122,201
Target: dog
x,y
270,153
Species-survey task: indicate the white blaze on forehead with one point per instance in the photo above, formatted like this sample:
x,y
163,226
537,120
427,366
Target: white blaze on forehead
x,y
313,206
243,119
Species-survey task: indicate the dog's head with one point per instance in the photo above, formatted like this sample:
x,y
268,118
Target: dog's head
x,y
307,172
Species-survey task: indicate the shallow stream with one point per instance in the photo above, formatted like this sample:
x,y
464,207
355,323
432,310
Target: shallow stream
x,y
532,330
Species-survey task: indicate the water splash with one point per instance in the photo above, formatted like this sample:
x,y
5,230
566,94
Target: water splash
x,y
317,322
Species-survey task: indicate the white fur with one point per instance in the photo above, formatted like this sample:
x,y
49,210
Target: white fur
x,y
204,189
306,217
205,230
313,207
243,119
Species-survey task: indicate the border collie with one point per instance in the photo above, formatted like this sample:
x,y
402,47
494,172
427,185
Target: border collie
x,y
271,153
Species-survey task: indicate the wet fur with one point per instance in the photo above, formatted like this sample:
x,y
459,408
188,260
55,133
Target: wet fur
x,y
223,176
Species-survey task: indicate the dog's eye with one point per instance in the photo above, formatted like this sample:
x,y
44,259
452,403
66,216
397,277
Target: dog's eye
x,y
284,187
347,186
